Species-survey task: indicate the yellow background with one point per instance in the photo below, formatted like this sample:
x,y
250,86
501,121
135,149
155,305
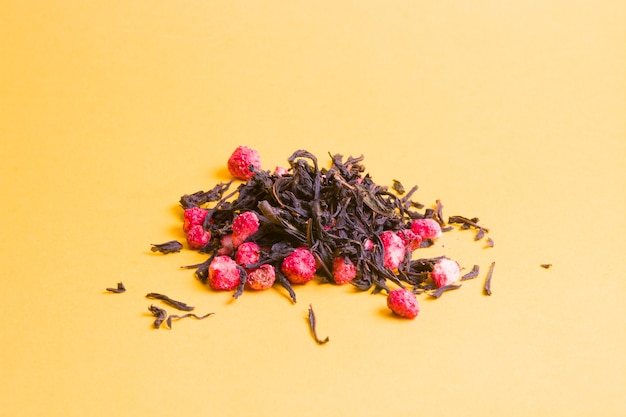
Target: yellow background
x,y
510,111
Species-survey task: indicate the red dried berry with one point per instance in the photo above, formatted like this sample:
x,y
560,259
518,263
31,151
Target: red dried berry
x,y
403,303
240,161
244,226
197,237
227,245
394,249
223,273
344,270
426,228
262,278
193,216
411,239
248,253
299,266
278,171
445,272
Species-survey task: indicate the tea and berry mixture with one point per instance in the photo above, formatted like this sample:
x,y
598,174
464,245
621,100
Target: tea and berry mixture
x,y
292,225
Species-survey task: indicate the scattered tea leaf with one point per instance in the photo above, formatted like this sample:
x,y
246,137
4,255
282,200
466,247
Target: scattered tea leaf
x,y
471,274
490,242
176,304
439,291
119,289
172,246
546,266
487,287
160,315
397,185
312,325
173,316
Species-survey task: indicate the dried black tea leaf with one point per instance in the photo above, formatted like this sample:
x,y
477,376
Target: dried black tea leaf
x,y
398,187
466,223
490,242
119,289
487,287
546,266
312,325
439,291
173,316
479,234
160,315
176,304
471,274
172,246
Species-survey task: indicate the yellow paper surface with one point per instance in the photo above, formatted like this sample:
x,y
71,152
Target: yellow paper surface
x,y
509,111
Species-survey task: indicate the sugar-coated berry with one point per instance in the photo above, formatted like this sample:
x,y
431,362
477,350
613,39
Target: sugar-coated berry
x,y
280,171
368,245
248,253
227,245
244,226
197,237
426,228
403,303
299,266
445,272
193,216
344,270
240,161
262,278
411,239
223,273
394,249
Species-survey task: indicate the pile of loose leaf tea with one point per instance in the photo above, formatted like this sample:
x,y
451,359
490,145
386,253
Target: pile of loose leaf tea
x,y
284,227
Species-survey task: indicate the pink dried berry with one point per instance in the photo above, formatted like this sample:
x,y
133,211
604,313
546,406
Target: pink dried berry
x,y
445,272
262,278
244,226
343,270
278,171
240,161
403,303
248,253
368,245
394,249
223,273
197,237
227,245
194,216
426,228
299,266
411,239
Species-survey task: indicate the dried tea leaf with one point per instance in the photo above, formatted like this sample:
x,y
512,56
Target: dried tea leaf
x,y
546,266
160,315
487,287
312,325
439,291
471,274
176,304
119,289
172,246
173,316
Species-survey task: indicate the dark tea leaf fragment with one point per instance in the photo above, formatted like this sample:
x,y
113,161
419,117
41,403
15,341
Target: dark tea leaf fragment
x,y
160,315
490,242
479,234
487,287
546,266
398,187
439,291
172,246
176,304
471,274
173,316
119,289
466,223
313,324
